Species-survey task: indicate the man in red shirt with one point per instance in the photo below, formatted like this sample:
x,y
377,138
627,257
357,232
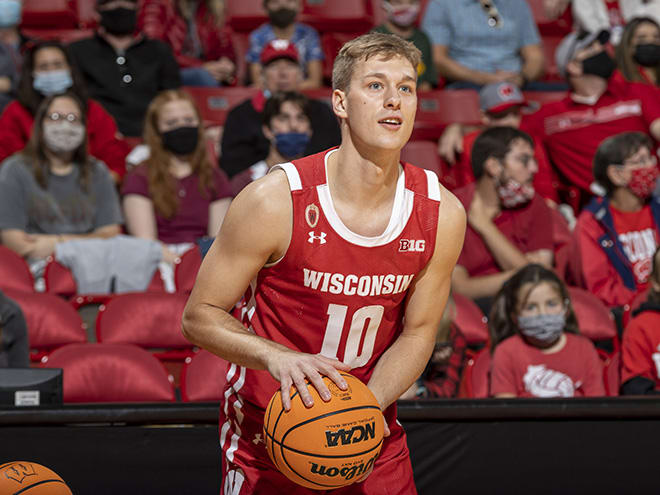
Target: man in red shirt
x,y
344,261
616,235
509,225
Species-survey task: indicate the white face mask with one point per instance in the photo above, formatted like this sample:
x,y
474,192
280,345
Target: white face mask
x,y
403,16
63,136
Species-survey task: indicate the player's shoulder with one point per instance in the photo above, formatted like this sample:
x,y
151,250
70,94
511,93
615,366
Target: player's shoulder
x,y
451,208
265,198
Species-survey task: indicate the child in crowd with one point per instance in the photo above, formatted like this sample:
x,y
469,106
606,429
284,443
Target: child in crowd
x,y
537,349
640,353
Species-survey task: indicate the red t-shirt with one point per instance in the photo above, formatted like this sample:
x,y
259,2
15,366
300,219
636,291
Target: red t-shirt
x,y
545,181
640,350
638,234
571,132
524,370
614,12
528,227
192,218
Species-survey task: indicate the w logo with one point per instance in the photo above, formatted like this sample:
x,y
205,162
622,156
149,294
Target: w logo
x,y
19,471
313,237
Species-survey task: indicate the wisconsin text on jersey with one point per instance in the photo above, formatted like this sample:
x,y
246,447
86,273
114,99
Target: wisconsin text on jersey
x,y
350,285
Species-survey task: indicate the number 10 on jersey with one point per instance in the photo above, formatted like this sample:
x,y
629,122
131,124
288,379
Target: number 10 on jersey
x,y
337,315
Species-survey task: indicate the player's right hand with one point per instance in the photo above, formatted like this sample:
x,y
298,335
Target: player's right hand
x,y
293,368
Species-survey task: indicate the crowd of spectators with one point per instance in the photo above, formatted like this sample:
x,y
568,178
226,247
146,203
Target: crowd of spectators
x,y
564,194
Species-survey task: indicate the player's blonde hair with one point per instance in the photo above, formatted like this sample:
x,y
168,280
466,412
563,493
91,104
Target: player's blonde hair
x,y
366,46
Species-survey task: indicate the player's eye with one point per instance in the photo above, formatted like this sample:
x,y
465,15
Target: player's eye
x,y
375,85
406,89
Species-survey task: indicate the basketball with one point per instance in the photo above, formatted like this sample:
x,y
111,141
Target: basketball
x,y
329,445
30,478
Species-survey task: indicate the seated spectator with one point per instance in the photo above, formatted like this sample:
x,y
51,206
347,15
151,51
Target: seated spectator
x,y
11,42
638,53
616,235
124,70
401,19
177,195
243,141
283,26
442,376
501,106
640,350
477,42
193,31
286,125
47,70
535,341
612,15
14,345
53,191
504,215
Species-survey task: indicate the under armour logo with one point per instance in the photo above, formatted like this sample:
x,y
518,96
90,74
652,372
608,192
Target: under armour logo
x,y
320,238
257,439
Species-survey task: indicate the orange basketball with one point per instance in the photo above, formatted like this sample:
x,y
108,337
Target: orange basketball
x,y
329,445
30,478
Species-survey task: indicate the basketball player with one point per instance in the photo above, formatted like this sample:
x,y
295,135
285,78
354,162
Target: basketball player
x,y
343,260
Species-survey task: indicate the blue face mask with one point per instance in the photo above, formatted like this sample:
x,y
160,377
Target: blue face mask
x,y
52,82
291,144
10,13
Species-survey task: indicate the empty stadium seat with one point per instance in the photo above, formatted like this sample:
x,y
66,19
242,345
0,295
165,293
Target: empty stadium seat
x,y
203,377
470,320
185,272
149,320
51,322
594,319
14,271
437,109
111,373
215,103
245,15
476,376
331,43
352,16
53,14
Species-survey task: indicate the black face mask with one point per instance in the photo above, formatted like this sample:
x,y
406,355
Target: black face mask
x,y
119,21
181,141
600,65
647,55
282,18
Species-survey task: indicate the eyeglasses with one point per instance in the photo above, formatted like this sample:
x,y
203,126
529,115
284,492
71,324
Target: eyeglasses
x,y
494,17
70,117
646,161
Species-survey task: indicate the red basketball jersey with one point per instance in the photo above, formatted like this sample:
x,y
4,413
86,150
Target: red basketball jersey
x,y
335,292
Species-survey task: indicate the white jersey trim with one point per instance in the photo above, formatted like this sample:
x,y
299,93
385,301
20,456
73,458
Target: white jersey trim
x,y
433,185
401,211
291,173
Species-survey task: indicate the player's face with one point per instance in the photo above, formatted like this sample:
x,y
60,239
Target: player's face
x,y
175,114
519,163
541,299
381,102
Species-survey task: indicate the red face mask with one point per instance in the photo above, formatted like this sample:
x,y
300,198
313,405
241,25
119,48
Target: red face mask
x,y
642,181
513,193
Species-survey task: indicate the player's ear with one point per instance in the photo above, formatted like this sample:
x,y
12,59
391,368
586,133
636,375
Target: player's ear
x,y
339,103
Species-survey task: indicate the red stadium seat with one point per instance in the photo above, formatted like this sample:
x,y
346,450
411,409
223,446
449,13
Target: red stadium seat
x,y
54,14
215,103
422,154
185,272
14,271
437,109
203,377
149,320
476,376
87,16
51,322
111,373
594,319
612,375
330,44
65,36
241,42
470,320
550,44
353,16
245,15
558,27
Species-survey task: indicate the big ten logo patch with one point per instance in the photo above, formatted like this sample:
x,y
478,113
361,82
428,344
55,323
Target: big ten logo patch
x,y
412,246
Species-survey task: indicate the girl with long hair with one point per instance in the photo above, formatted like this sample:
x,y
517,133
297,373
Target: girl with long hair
x,y
638,53
535,341
48,70
177,195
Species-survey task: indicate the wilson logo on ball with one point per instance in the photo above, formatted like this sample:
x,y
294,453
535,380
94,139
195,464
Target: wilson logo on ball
x,y
348,473
355,434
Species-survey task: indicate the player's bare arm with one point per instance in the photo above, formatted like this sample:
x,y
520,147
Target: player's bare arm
x,y
256,231
405,360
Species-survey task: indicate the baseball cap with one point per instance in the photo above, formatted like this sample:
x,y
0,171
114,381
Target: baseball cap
x,y
277,49
498,97
575,42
